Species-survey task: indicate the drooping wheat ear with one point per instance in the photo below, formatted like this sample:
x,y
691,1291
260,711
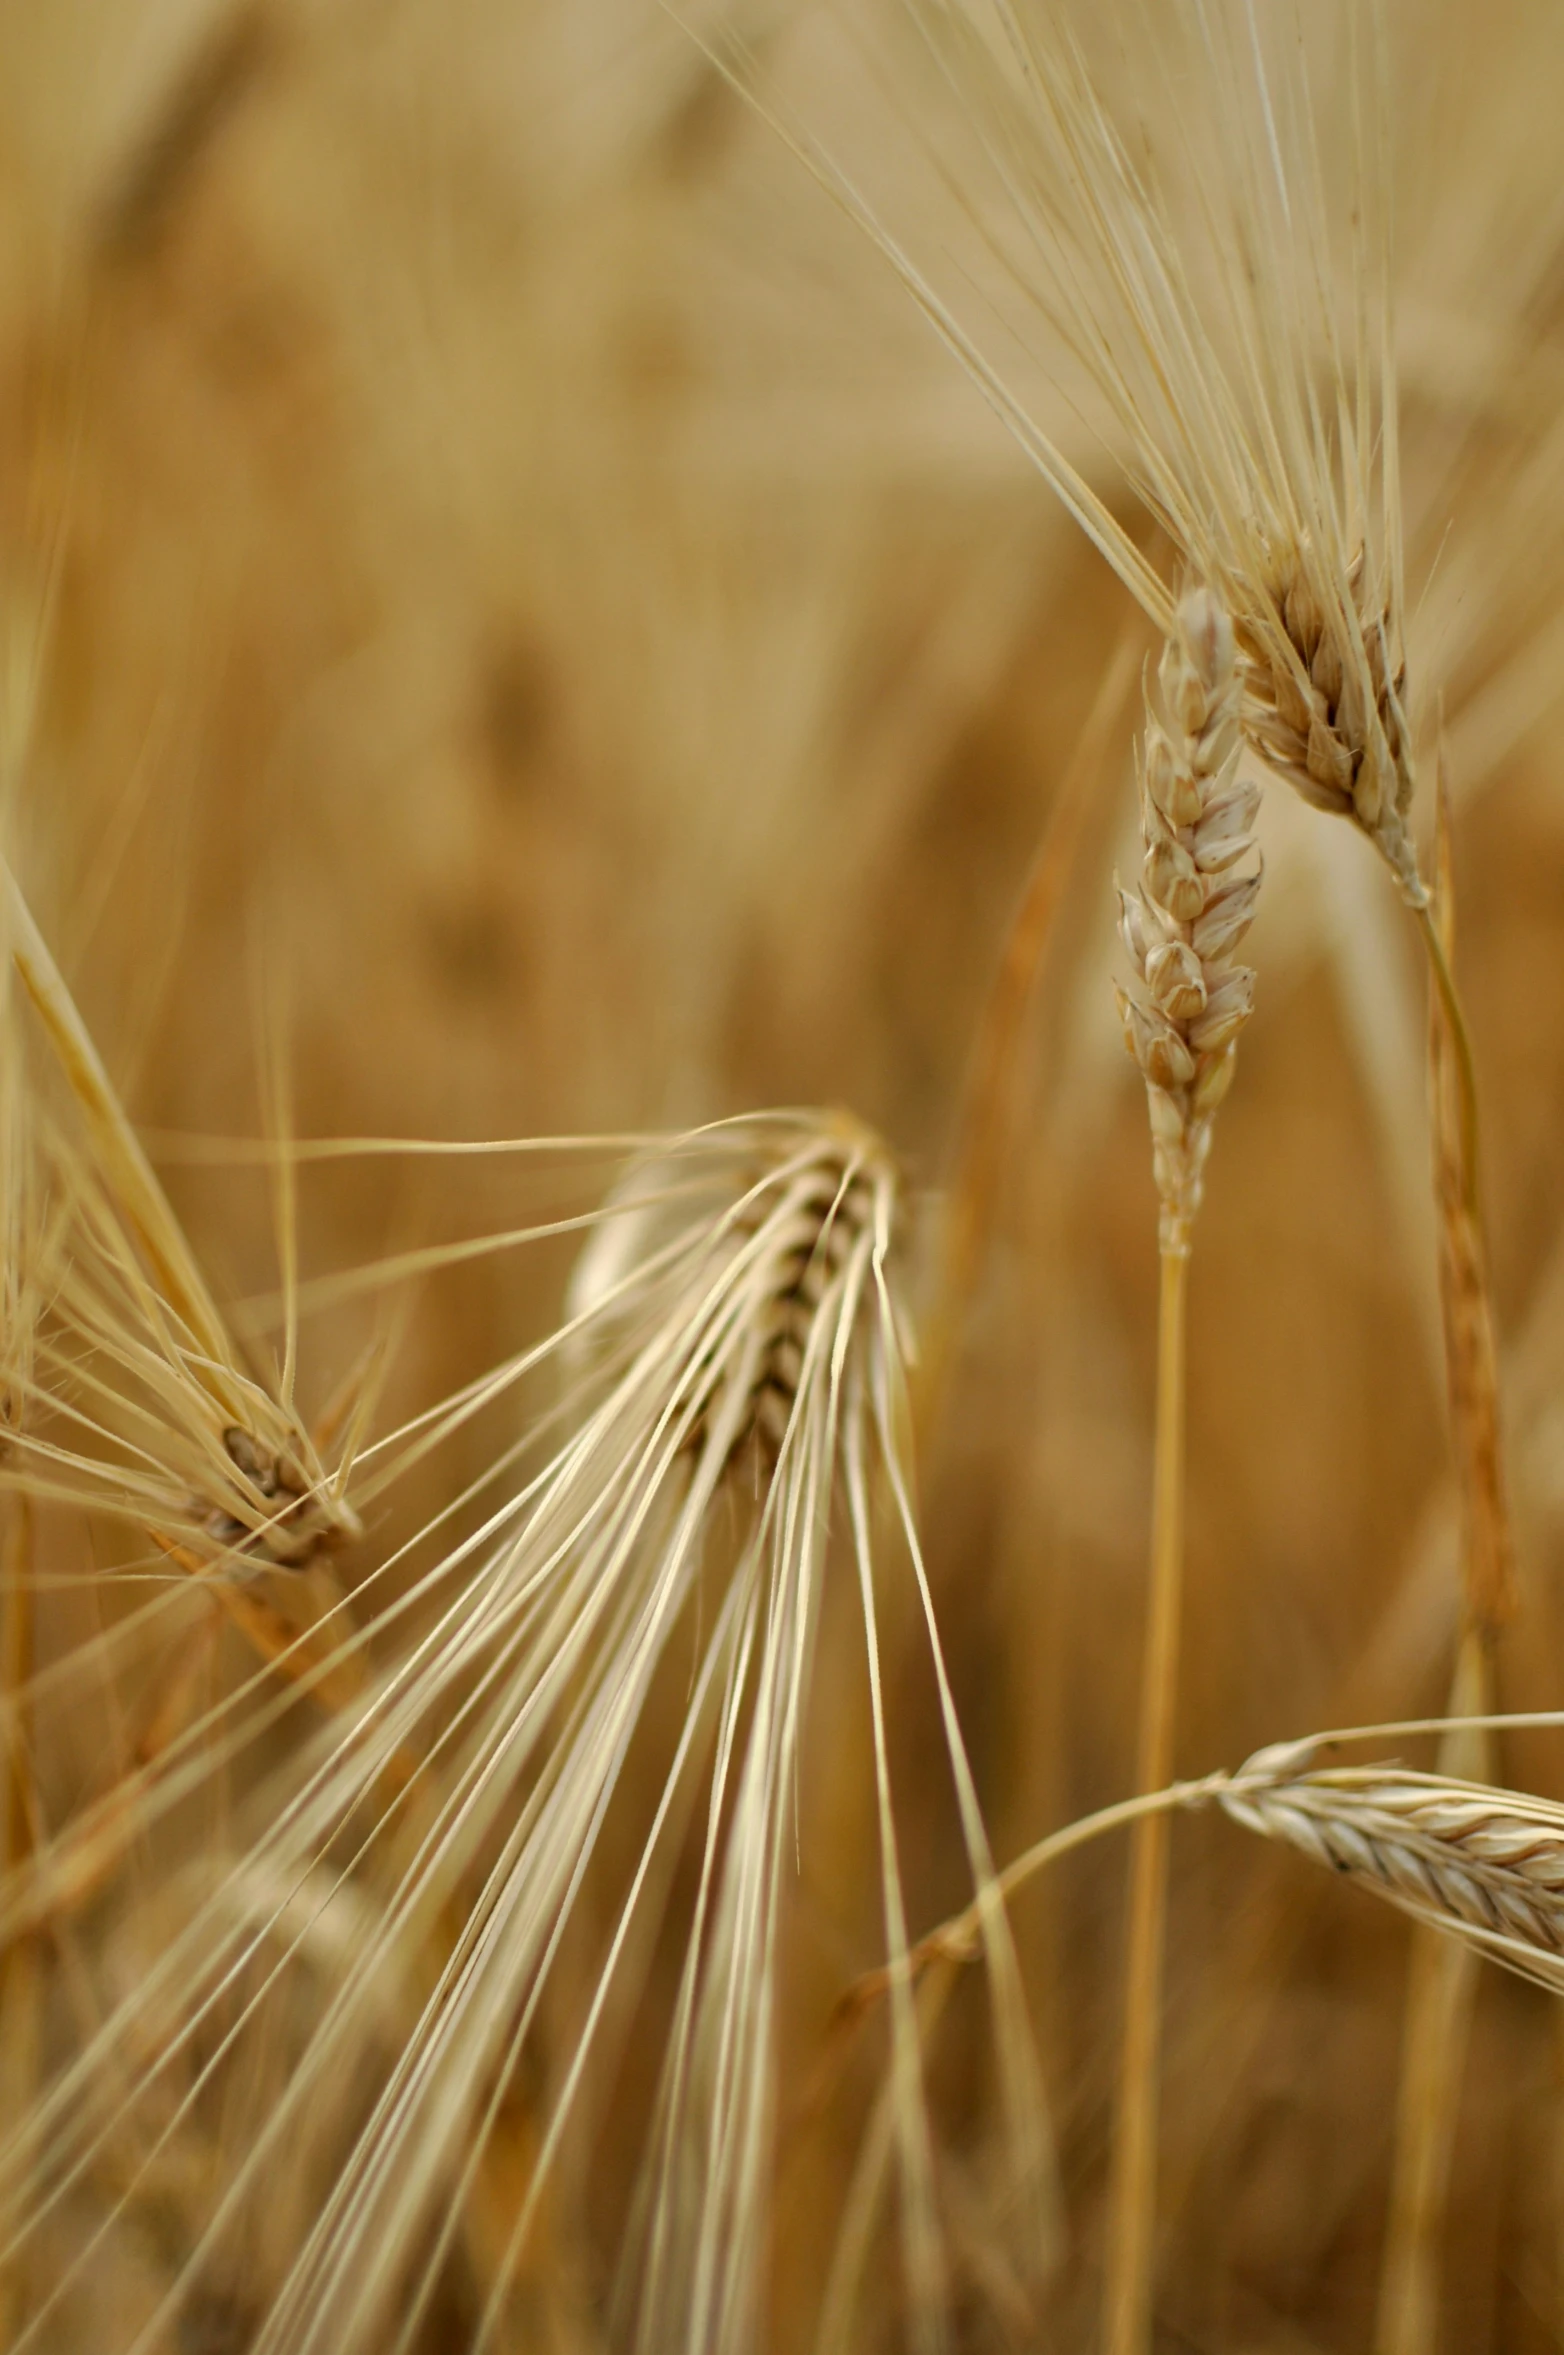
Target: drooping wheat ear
x,y
1484,1864
1216,272
735,1430
138,1402
1200,878
1326,681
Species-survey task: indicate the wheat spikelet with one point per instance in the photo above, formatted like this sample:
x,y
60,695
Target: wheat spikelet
x,y
1195,903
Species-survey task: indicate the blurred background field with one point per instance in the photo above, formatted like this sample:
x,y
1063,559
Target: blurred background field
x,y
527,595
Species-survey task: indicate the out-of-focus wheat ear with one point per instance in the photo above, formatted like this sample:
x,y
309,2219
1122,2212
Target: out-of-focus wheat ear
x,y
736,1351
1187,1001
729,1344
154,1415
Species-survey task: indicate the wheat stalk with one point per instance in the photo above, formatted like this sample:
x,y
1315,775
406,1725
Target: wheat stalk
x,y
1442,1986
1188,1001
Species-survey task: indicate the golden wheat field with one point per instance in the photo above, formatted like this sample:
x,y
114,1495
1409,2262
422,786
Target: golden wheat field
x,y
635,646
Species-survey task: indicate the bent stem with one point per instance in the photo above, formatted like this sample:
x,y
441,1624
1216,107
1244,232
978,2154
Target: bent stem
x,y
1132,2201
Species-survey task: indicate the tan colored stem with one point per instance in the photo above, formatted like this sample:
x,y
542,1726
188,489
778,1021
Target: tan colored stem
x,y
1465,1061
1132,2199
959,1939
1443,1980
21,1986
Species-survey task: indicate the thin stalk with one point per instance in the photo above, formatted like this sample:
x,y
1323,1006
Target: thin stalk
x,y
958,1940
1442,1985
1442,1991
1133,2195
1465,1061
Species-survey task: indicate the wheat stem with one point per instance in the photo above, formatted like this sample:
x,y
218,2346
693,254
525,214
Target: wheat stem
x,y
1442,1985
20,1979
1465,1061
1441,1992
1132,2205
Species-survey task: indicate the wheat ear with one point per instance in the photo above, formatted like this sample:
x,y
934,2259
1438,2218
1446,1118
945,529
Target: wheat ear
x,y
739,1360
1482,1864
1186,1004
1189,997
147,1410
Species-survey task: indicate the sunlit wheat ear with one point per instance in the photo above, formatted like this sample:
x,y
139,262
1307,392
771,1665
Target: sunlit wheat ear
x,y
137,1401
1484,1865
737,1436
819,1395
1200,878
